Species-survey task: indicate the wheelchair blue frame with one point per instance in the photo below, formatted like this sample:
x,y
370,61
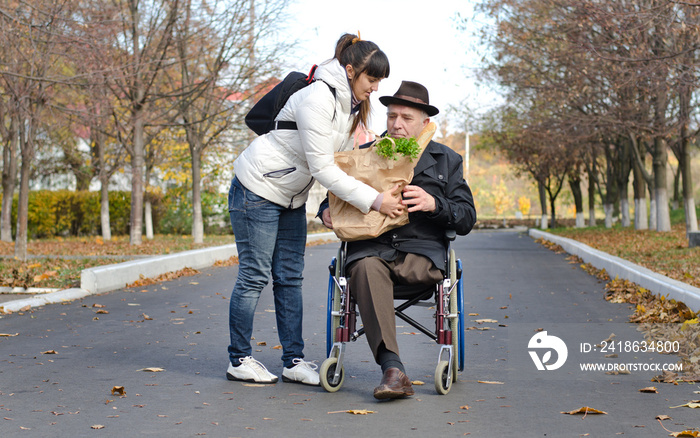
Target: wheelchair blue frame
x,y
460,305
329,306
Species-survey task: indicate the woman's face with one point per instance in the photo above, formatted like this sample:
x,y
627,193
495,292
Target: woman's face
x,y
364,85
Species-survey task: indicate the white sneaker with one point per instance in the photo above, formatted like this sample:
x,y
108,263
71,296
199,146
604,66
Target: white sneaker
x,y
301,372
250,370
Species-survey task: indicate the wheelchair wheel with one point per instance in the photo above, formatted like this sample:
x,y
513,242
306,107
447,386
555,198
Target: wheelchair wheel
x,y
337,270
455,308
332,306
442,381
327,372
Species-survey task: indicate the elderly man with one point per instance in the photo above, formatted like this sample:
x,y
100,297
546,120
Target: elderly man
x,y
438,199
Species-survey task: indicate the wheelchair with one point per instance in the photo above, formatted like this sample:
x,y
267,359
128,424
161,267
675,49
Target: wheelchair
x,y
449,320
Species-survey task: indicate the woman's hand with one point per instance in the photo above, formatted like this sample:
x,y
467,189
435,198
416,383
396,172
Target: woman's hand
x,y
326,218
391,202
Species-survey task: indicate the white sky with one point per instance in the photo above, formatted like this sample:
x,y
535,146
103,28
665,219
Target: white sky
x,y
420,38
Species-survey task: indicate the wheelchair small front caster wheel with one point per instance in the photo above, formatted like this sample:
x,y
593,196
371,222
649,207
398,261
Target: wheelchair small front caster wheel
x,y
327,373
442,377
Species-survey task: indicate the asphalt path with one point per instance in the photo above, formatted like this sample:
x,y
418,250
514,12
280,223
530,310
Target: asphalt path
x,y
61,363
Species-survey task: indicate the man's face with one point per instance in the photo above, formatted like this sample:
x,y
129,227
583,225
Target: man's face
x,y
405,121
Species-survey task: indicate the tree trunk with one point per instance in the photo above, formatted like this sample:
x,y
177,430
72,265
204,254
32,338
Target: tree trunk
x,y
543,204
663,215
641,219
148,217
23,208
197,220
147,204
137,162
104,210
611,192
624,208
575,184
676,188
684,168
652,208
103,176
553,212
626,163
9,176
27,135
591,196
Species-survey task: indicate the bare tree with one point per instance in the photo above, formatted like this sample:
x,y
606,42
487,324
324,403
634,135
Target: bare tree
x,y
9,136
219,59
138,53
32,33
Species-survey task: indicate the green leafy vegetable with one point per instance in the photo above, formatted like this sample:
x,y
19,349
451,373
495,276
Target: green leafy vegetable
x,y
389,149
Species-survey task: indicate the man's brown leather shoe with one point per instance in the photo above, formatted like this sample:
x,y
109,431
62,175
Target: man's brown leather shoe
x,y
394,384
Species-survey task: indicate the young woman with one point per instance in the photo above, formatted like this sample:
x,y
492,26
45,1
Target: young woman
x,y
268,195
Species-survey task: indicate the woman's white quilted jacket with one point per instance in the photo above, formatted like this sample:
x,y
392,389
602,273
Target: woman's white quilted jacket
x,y
281,165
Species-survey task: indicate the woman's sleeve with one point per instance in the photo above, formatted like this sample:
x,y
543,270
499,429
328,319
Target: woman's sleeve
x,y
315,124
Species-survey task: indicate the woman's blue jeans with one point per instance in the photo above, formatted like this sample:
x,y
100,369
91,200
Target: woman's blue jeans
x,y
269,239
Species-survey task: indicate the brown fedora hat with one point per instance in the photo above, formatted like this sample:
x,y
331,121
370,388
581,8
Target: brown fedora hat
x,y
411,94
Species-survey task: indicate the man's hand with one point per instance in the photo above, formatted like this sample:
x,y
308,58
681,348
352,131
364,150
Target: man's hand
x,y
326,218
392,205
418,199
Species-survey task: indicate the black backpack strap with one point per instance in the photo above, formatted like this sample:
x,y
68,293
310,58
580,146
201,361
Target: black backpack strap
x,y
285,124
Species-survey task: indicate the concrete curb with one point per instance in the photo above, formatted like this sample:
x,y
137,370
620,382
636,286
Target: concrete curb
x,y
106,278
44,299
110,277
617,267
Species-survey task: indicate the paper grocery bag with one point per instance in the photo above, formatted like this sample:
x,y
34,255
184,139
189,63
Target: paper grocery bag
x,y
382,174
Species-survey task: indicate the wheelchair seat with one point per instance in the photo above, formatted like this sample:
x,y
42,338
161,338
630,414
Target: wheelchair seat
x,y
411,291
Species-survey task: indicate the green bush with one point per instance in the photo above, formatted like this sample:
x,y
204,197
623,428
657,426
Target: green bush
x,y
70,213
177,212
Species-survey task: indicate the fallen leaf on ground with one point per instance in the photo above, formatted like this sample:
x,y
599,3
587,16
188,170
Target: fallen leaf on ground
x,y
119,390
418,382
4,335
612,335
584,410
152,369
45,275
480,321
353,411
97,426
490,382
691,404
49,352
663,417
359,412
651,389
686,433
